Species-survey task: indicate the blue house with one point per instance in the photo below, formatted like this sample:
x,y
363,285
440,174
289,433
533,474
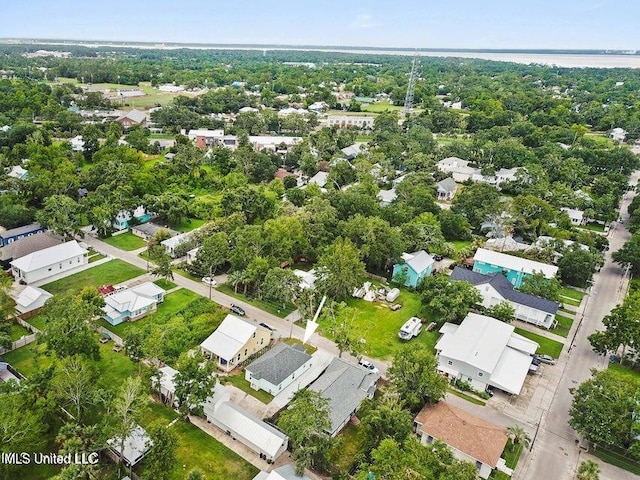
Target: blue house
x,y
10,236
516,269
130,304
123,218
415,267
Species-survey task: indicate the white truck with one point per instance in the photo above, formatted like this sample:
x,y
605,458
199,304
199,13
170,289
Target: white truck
x,y
410,329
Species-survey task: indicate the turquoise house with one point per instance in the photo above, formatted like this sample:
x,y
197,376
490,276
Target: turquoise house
x,y
415,267
516,269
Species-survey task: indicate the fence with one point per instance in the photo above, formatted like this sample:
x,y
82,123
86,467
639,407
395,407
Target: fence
x,y
378,278
21,342
26,325
114,337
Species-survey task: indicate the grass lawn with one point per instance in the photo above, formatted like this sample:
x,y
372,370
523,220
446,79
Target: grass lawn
x,y
466,396
190,224
571,293
114,368
617,458
310,349
346,448
461,244
29,359
564,325
547,346
157,413
173,302
511,457
17,332
379,107
37,321
164,283
625,372
567,310
198,450
273,308
126,241
95,257
112,272
240,382
364,138
594,227
379,326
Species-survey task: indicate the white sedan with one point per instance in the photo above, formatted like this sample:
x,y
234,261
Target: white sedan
x,y
368,365
209,281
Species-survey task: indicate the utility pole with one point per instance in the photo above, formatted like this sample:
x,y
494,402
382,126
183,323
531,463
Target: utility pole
x,y
408,99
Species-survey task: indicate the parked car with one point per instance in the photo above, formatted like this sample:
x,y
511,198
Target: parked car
x,y
368,365
546,359
536,361
238,310
209,281
533,369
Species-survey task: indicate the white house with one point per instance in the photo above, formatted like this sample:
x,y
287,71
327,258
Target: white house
x,y
363,122
345,386
470,438
170,244
285,472
77,143
485,352
319,179
502,175
164,382
262,438
576,216
307,279
18,172
446,189
51,261
136,446
387,197
191,255
31,299
278,368
618,134
234,341
495,288
458,168
132,303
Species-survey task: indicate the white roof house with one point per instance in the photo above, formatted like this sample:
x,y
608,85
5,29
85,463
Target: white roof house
x,y
485,352
136,445
31,298
18,172
164,381
77,144
618,134
170,244
386,197
307,279
458,168
514,263
235,340
259,436
576,216
132,303
285,472
319,179
49,262
419,260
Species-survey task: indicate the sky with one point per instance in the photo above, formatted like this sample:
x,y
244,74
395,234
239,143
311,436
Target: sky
x,y
490,24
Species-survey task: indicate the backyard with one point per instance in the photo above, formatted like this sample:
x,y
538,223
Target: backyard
x,y
109,273
379,326
126,241
564,325
511,456
239,381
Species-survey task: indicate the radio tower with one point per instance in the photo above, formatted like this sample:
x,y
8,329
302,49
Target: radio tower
x,y
408,99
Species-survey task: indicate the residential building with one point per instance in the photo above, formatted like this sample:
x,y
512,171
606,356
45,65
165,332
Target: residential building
x,y
446,189
415,267
285,472
470,438
495,288
576,216
485,352
234,341
43,264
501,176
171,244
458,168
18,172
206,138
134,117
278,368
506,244
319,179
387,197
514,268
15,234
363,122
124,217
148,230
191,255
136,446
618,134
30,301
164,383
262,438
26,245
345,386
133,303
352,151
307,279
77,143
7,373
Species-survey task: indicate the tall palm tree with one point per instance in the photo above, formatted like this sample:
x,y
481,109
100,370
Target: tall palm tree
x,y
518,435
589,470
235,278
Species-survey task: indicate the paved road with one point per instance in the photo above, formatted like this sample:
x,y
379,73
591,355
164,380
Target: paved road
x,y
556,453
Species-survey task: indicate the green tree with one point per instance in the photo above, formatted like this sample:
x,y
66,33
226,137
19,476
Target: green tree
x,y
448,300
588,470
577,265
502,311
163,263
305,421
280,285
386,419
61,215
340,269
74,385
622,328
161,459
213,253
414,375
342,328
537,284
629,254
127,409
195,475
476,202
194,382
518,436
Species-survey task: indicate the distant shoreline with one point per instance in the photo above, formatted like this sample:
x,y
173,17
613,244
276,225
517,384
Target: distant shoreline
x,y
559,57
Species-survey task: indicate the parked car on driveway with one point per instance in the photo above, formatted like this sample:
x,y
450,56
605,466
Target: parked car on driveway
x,y
238,310
209,281
368,365
546,359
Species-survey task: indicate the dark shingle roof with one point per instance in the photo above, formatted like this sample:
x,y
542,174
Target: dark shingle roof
x,y
278,363
26,245
504,288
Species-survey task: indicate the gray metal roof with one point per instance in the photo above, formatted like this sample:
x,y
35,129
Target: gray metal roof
x,y
278,363
504,288
345,386
447,185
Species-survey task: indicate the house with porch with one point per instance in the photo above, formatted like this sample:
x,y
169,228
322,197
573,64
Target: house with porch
x,y
124,217
446,189
415,267
234,341
514,268
470,438
495,288
43,264
133,303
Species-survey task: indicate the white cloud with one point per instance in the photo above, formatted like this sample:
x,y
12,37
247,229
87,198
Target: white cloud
x,y
363,20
